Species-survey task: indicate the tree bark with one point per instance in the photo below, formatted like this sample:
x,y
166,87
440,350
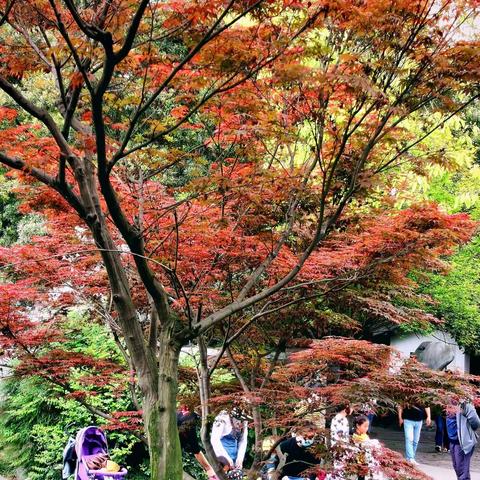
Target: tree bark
x,y
156,361
159,414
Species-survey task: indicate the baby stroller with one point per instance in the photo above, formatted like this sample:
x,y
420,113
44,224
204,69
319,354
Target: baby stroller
x,y
89,443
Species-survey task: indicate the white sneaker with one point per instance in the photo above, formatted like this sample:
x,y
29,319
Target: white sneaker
x,y
413,461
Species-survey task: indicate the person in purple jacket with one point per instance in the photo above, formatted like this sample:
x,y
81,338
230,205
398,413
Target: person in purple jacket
x,y
462,424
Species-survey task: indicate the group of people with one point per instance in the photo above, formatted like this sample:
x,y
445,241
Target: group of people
x,y
295,458
456,432
355,454
228,438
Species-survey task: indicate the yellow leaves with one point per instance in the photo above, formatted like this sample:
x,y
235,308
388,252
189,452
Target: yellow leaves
x,y
348,57
121,101
59,51
157,126
110,97
39,82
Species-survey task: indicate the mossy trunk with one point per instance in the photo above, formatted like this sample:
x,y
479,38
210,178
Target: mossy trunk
x,y
159,413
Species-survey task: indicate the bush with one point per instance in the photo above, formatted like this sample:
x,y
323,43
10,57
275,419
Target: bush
x,y
36,418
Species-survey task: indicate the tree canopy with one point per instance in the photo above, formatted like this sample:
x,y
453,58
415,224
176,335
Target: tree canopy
x,y
206,167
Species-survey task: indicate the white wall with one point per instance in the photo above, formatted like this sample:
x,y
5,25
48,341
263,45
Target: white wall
x,y
407,344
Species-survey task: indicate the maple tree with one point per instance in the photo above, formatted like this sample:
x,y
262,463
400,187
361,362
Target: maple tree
x,y
358,272
279,121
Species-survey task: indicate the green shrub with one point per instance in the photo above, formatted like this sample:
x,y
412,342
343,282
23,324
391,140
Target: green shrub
x,y
37,418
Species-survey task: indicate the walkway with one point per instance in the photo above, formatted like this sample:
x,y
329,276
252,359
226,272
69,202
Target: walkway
x,y
439,473
437,465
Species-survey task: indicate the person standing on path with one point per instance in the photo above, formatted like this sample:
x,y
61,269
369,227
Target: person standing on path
x,y
461,426
340,426
441,435
412,417
339,440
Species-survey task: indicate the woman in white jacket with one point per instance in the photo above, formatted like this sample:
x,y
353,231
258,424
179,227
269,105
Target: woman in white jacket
x,y
229,438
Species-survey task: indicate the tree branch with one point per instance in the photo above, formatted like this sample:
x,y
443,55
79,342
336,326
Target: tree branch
x,y
89,30
39,113
227,85
427,134
210,35
132,32
63,31
20,165
8,9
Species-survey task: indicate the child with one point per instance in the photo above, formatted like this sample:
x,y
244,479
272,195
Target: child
x,y
360,438
361,425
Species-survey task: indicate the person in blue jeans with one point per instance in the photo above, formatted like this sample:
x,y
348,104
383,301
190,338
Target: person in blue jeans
x,y
462,423
412,417
229,438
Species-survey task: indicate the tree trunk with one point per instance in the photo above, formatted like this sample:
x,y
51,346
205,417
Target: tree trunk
x,y
258,452
159,414
157,375
204,387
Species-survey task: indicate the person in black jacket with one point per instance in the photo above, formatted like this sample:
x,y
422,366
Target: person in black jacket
x,y
294,456
187,430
